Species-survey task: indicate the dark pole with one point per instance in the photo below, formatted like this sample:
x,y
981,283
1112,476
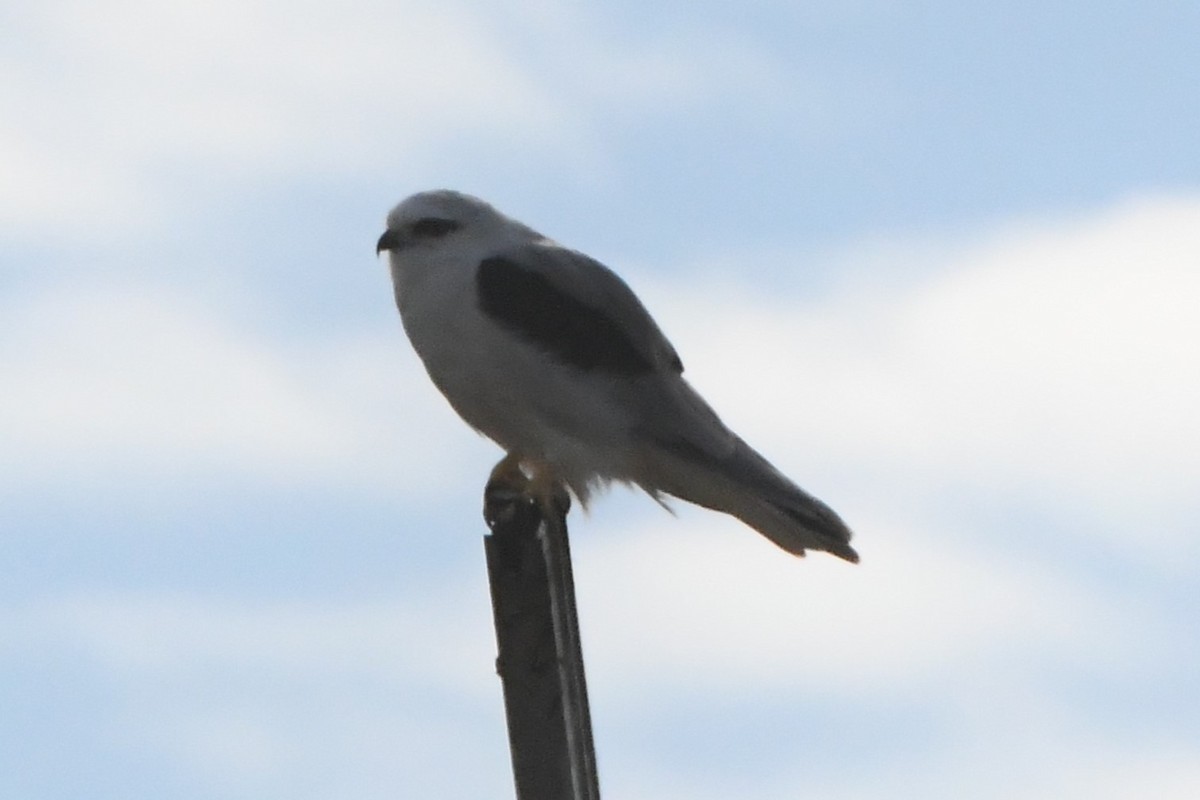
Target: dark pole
x,y
540,660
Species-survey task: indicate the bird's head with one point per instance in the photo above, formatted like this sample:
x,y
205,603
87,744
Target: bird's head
x,y
434,220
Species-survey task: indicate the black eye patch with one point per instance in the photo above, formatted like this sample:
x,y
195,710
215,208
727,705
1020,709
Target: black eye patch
x,y
434,227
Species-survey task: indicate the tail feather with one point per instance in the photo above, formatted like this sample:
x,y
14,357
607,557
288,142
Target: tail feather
x,y
747,486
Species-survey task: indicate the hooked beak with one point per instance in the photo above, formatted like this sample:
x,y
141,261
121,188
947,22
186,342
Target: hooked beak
x,y
391,240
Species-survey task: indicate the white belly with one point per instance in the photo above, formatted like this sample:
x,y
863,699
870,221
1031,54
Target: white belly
x,y
513,393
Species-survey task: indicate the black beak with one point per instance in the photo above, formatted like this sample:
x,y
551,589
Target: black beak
x,y
390,240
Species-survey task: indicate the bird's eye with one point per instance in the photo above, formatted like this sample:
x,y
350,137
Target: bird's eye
x,y
434,227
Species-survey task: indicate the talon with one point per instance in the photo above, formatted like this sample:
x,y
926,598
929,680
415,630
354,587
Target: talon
x,y
507,475
507,484
511,480
548,491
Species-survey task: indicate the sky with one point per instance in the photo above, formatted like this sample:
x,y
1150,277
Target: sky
x,y
940,262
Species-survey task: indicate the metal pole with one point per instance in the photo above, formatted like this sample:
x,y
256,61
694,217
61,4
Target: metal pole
x,y
540,659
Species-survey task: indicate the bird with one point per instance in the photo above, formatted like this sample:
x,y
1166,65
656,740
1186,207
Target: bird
x,y
548,353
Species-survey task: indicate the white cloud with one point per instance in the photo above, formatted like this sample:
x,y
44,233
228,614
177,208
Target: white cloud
x,y
1037,769
105,101
1054,363
252,693
1059,361
1157,770
114,95
705,606
439,633
135,386
280,699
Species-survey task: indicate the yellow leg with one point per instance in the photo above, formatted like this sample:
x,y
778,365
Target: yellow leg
x,y
508,475
547,490
506,484
509,480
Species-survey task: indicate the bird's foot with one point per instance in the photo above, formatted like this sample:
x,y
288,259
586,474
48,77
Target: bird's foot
x,y
509,483
548,492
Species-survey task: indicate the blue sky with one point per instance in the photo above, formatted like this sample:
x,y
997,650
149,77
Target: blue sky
x,y
939,261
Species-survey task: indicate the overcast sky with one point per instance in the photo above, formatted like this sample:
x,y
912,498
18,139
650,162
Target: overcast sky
x,y
939,261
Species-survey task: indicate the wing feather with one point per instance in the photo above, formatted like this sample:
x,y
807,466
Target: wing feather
x,y
573,308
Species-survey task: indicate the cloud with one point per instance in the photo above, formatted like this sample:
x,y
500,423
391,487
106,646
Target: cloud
x,y
271,698
112,98
706,607
117,387
162,633
1055,361
1007,769
116,103
682,618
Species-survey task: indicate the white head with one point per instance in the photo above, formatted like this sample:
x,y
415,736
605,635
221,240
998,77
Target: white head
x,y
430,223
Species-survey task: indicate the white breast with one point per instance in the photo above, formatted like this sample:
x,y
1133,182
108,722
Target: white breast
x,y
502,386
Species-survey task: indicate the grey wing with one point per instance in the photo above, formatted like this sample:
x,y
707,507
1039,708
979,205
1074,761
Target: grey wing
x,y
574,308
578,311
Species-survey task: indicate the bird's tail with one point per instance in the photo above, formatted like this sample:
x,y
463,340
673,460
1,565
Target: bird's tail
x,y
746,485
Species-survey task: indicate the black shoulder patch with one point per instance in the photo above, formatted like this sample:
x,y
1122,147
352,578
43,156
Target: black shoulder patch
x,y
530,306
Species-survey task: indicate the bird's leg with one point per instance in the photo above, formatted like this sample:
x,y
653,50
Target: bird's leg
x,y
510,481
547,490
506,484
507,476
